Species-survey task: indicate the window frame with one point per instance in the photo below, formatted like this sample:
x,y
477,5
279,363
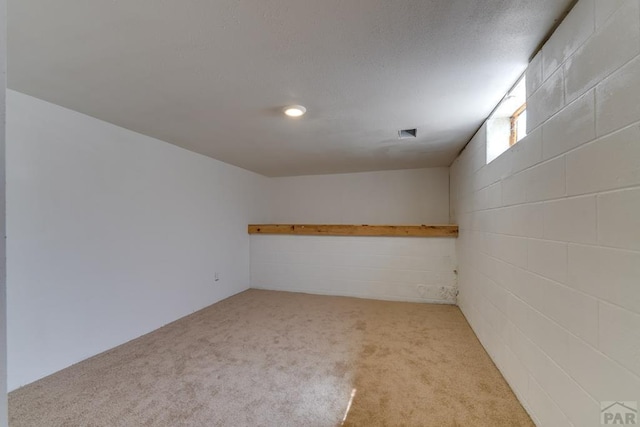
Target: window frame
x,y
513,134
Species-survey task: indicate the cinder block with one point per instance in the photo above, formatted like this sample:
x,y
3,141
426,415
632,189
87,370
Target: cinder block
x,y
494,195
548,259
606,164
496,319
514,189
617,99
365,267
528,220
510,249
516,374
615,43
503,218
546,101
577,404
571,220
480,200
498,169
500,221
546,181
609,274
497,295
533,76
619,219
527,152
477,149
600,376
544,408
620,335
571,309
570,128
606,8
574,30
518,313
489,267
521,346
550,337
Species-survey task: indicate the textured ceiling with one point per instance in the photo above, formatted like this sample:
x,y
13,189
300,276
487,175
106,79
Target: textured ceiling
x,y
213,76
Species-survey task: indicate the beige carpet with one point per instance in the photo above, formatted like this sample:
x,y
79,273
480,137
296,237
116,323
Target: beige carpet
x,y
264,358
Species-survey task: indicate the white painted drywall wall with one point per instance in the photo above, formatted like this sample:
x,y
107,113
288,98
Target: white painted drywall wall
x,y
413,196
3,265
549,245
112,234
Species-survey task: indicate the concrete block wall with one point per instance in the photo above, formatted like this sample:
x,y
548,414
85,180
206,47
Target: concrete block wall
x,y
392,268
549,245
388,268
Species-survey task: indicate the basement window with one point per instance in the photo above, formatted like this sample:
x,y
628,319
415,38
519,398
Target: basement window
x,y
508,123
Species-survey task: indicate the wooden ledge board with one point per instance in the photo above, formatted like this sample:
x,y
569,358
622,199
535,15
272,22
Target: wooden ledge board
x,y
356,230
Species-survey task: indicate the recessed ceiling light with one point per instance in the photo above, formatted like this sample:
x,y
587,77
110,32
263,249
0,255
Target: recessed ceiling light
x,y
295,110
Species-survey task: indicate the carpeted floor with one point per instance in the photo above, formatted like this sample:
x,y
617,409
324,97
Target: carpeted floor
x,y
264,358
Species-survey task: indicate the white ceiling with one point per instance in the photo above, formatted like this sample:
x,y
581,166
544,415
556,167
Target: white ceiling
x,y
213,75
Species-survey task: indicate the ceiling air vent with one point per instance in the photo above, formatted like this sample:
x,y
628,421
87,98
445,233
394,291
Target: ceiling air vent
x,y
407,133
